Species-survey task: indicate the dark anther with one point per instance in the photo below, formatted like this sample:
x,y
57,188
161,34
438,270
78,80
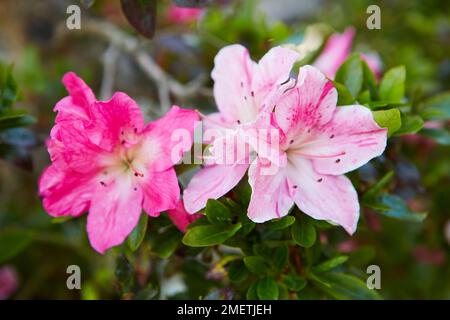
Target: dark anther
x,y
135,130
332,136
252,93
122,142
102,183
291,142
242,84
239,121
320,180
338,160
135,189
295,187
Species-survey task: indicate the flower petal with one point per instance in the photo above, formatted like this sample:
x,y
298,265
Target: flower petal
x,y
270,192
272,70
181,218
309,104
335,52
211,182
232,75
65,192
76,106
161,191
114,212
347,142
169,137
323,197
115,121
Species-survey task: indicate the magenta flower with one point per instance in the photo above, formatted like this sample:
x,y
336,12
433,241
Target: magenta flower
x,y
8,282
180,217
240,87
105,160
321,143
183,15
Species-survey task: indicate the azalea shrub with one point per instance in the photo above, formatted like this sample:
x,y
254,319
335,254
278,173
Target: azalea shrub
x,y
214,151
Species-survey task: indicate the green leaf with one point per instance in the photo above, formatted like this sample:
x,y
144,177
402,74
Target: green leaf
x,y
281,223
256,265
344,286
141,14
280,257
146,294
392,86
137,235
370,81
203,236
124,273
217,212
441,136
14,121
167,242
267,289
437,107
330,264
12,242
251,292
294,282
370,194
390,119
8,88
237,271
351,74
344,95
410,125
397,208
303,232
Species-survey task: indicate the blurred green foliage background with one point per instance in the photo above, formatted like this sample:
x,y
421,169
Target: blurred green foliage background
x,y
413,257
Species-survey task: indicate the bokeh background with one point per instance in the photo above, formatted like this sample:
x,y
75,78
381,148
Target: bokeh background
x,y
35,249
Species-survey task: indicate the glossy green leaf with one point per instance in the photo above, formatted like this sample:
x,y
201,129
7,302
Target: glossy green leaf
x,y
137,235
251,292
303,232
390,119
267,289
294,282
209,235
237,271
217,212
351,75
280,257
392,86
281,223
256,265
410,125
330,264
167,242
344,286
344,95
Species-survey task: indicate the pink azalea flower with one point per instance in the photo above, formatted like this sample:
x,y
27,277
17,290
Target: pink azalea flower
x,y
181,218
183,15
105,160
321,142
8,282
240,87
336,51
